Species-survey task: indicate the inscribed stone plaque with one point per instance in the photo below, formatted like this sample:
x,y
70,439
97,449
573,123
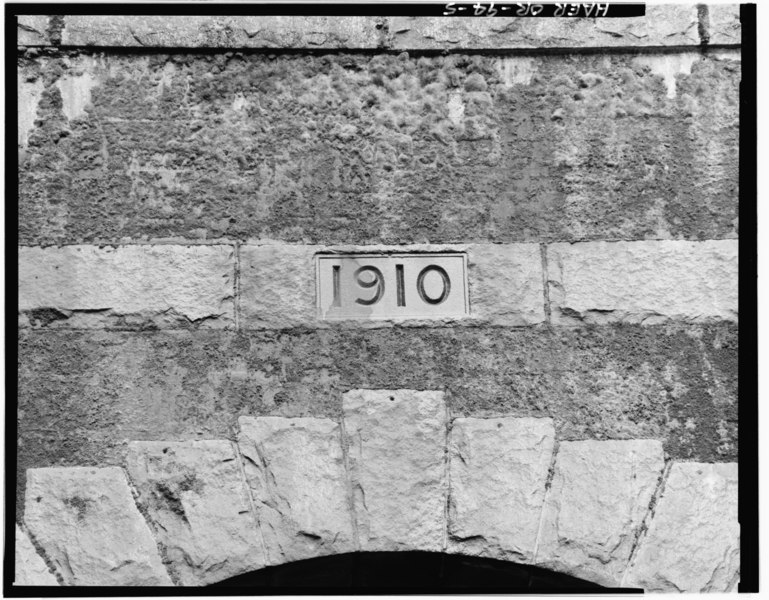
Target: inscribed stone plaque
x,y
391,286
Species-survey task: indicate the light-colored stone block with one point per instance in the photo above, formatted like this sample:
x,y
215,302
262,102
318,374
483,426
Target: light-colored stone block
x,y
88,524
278,286
296,471
506,284
195,494
32,30
643,282
397,461
663,25
599,496
497,473
693,541
30,566
724,24
220,31
163,285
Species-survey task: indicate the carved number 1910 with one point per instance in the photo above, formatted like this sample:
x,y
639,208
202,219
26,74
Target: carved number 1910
x,y
378,281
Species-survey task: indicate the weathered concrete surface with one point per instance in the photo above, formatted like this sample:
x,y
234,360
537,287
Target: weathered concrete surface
x,y
397,459
278,287
497,474
296,472
32,30
87,523
663,25
82,395
200,31
596,504
693,541
195,495
724,25
127,286
380,149
649,282
30,568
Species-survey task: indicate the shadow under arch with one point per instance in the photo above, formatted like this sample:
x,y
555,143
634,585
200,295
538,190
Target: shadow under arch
x,y
409,571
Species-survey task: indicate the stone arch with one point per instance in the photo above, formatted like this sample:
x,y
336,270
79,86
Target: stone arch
x,y
395,473
406,572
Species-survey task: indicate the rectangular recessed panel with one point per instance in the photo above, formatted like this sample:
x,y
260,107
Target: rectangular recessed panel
x,y
391,286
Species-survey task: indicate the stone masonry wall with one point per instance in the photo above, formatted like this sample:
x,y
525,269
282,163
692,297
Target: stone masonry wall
x,y
177,177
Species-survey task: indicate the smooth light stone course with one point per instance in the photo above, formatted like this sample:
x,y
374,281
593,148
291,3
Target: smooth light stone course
x,y
693,541
397,461
88,286
724,24
87,522
598,498
30,566
296,472
643,282
195,494
497,472
666,25
277,285
220,31
32,30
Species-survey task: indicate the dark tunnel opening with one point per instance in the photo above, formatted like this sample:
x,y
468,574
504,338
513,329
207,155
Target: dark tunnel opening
x,y
394,572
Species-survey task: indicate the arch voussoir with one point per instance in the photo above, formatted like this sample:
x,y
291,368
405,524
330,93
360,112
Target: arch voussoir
x,y
87,523
396,473
296,475
193,493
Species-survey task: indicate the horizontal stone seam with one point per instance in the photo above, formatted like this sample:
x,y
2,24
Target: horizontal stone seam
x,y
394,246
311,330
413,51
542,325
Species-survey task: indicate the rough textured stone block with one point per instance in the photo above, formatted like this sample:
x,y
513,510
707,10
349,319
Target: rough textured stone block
x,y
669,25
88,524
692,544
497,473
648,282
277,286
195,494
221,31
32,30
598,498
397,461
724,26
30,568
299,484
127,286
